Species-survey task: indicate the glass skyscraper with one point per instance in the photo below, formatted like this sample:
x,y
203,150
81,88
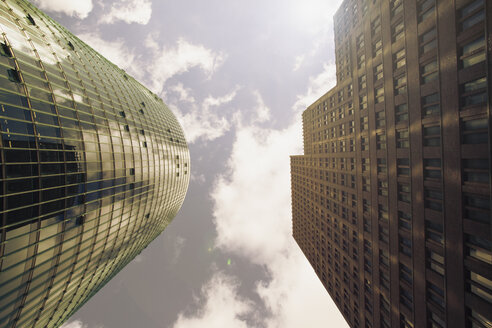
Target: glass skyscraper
x,y
93,167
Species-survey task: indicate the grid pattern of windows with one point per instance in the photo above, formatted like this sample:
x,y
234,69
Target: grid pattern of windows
x,y
93,167
422,140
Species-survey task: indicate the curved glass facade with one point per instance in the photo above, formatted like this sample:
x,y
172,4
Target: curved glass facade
x,y
93,167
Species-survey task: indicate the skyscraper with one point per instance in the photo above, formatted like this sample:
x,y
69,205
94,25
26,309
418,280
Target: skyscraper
x,y
391,199
93,167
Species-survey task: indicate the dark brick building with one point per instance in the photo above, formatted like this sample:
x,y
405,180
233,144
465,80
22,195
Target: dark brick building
x,y
391,199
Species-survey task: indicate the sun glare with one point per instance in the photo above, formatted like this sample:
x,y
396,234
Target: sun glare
x,y
314,16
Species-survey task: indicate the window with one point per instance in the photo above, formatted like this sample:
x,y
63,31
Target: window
x,y
396,7
430,105
406,274
401,113
426,8
399,59
406,298
400,84
477,320
380,141
384,279
384,257
405,246
402,138
434,232
360,42
479,248
474,93
14,75
432,169
379,94
404,192
405,322
383,212
436,295
475,131
366,164
378,73
30,20
428,72
376,26
366,206
433,199
404,221
473,52
475,171
382,168
364,143
361,60
367,225
476,207
364,123
472,14
428,41
362,103
383,234
432,136
362,82
398,31
403,167
366,184
383,188
435,262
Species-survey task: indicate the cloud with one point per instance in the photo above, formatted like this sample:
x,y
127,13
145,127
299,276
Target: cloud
x,y
318,86
258,186
252,216
203,121
262,112
170,61
184,94
161,63
253,219
200,179
115,51
73,8
129,11
299,61
178,248
74,324
223,308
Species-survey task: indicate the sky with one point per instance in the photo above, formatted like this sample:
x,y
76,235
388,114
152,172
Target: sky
x,y
237,74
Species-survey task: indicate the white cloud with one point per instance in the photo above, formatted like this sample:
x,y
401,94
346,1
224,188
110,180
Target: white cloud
x,y
299,61
170,61
223,307
183,93
164,61
74,8
74,324
201,122
257,187
129,11
178,247
198,178
115,51
318,86
253,219
252,215
262,112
